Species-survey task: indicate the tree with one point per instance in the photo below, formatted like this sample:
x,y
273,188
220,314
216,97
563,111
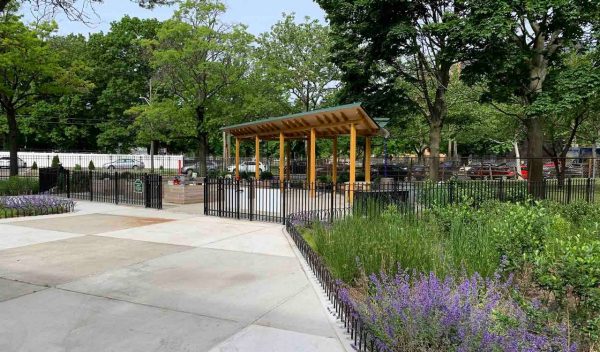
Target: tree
x,y
196,57
122,70
398,53
28,70
514,44
74,10
297,56
571,100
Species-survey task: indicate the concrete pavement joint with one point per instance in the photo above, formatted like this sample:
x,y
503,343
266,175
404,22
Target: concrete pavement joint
x,y
146,305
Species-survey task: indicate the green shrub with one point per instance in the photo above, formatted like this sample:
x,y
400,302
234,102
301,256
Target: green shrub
x,y
77,167
16,185
34,166
91,165
266,175
55,162
553,249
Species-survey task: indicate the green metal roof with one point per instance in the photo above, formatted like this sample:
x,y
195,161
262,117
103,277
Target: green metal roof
x,y
291,116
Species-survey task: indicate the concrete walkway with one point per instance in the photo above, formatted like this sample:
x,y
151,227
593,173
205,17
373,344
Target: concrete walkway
x,y
112,278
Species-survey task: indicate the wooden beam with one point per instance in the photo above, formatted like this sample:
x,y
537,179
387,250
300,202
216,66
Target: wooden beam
x,y
352,162
237,158
367,160
257,155
301,129
288,159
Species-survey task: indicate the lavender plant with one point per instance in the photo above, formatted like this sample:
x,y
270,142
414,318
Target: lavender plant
x,y
34,205
417,312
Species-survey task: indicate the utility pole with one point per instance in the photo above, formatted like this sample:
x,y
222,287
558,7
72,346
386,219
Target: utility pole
x,y
148,101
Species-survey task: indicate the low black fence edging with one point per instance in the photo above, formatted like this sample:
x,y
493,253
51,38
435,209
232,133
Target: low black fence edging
x,y
362,338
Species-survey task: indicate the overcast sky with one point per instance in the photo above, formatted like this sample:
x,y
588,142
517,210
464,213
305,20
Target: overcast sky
x,y
259,15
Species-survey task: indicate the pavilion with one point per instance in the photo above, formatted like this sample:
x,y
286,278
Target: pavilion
x,y
328,123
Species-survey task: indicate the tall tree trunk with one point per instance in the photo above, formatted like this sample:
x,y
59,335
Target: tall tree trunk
x,y
435,136
201,135
13,140
535,163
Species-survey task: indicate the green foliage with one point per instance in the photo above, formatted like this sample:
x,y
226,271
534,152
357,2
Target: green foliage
x,y
91,165
34,166
16,185
77,167
297,57
558,244
55,162
266,175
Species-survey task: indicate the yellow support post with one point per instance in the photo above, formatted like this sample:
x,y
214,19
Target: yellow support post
x,y
237,158
313,161
352,162
281,158
256,168
368,160
334,161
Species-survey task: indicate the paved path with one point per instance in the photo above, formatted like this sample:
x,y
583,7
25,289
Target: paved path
x,y
109,278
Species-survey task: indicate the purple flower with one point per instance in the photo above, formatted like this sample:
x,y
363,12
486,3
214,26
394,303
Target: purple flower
x,y
469,313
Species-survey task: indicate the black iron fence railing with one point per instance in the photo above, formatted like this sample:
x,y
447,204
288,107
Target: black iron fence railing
x,y
130,188
362,338
273,201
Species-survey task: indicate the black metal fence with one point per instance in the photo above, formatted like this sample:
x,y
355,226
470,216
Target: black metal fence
x,y
362,338
101,186
272,201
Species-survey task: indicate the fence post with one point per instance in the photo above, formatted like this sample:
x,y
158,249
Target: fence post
x,y
220,196
68,173
91,182
501,189
451,192
237,198
159,191
147,197
588,190
332,207
250,199
206,194
283,201
116,187
569,189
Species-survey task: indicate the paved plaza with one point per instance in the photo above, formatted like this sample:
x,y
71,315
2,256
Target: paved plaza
x,y
114,278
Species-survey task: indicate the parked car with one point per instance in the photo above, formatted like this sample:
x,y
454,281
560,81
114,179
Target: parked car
x,y
211,166
491,171
572,170
395,171
248,166
418,172
124,164
5,163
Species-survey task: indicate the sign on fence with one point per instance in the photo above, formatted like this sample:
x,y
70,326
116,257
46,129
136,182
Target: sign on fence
x,y
138,186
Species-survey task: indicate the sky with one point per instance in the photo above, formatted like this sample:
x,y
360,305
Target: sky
x,y
259,15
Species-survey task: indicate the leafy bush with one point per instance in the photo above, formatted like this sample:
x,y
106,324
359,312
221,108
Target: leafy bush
x,y
16,185
91,165
425,313
77,167
34,166
554,250
266,175
55,162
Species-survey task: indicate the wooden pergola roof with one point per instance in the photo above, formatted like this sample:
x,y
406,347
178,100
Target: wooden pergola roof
x,y
330,122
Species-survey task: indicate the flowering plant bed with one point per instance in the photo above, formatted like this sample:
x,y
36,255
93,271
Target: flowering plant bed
x,y
32,205
497,277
